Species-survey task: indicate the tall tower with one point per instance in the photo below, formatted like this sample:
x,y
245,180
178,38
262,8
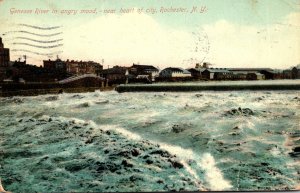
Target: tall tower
x,y
1,44
4,55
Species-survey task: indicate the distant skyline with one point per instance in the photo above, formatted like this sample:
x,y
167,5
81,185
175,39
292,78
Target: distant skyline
x,y
231,33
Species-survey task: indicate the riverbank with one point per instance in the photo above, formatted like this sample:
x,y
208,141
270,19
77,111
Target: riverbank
x,y
53,89
76,84
212,86
34,89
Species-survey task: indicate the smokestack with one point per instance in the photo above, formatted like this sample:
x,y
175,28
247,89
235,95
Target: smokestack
x,y
1,44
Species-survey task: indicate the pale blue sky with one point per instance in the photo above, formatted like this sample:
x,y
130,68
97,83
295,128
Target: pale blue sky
x,y
259,12
240,32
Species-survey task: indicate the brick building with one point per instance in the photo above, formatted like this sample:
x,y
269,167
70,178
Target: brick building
x,y
57,64
82,67
4,55
74,67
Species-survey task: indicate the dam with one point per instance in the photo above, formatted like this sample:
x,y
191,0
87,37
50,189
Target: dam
x,y
212,86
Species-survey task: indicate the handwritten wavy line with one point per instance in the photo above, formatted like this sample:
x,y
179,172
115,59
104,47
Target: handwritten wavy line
x,y
37,46
34,40
38,27
37,53
27,32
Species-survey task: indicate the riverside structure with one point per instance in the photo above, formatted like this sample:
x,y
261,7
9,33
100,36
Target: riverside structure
x,y
212,86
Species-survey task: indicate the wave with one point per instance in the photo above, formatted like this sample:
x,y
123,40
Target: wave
x,y
206,161
215,152
213,174
104,152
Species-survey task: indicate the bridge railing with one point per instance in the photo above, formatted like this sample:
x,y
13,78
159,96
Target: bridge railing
x,y
74,78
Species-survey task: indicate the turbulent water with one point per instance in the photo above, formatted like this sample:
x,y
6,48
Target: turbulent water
x,y
107,141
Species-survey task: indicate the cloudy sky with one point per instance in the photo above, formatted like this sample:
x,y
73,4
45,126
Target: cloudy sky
x,y
231,33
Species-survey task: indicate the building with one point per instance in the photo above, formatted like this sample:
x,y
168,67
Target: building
x,y
196,72
291,73
144,70
173,72
270,74
239,76
114,73
267,72
278,74
247,70
57,64
217,74
73,67
22,72
82,67
4,55
255,76
296,72
287,74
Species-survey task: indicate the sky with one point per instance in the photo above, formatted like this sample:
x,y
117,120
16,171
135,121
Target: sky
x,y
225,33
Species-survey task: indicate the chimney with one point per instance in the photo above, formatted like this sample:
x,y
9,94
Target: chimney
x,y
1,44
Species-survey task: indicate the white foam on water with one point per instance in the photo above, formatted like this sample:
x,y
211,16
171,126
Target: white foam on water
x,y
192,173
251,124
275,151
78,121
92,124
190,170
247,124
97,93
183,154
128,134
45,117
213,175
178,151
143,119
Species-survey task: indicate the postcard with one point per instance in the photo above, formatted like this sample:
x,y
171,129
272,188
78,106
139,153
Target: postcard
x,y
149,95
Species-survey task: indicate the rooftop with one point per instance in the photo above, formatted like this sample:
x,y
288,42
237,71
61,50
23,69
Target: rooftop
x,y
115,70
248,69
217,70
177,69
144,67
197,69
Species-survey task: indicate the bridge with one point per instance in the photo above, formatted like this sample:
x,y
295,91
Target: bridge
x,y
75,78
